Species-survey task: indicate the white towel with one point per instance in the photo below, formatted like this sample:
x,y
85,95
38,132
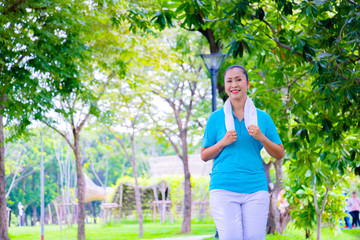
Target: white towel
x,y
250,114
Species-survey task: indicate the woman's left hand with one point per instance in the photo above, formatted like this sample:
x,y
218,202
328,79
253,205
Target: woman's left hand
x,y
275,150
256,132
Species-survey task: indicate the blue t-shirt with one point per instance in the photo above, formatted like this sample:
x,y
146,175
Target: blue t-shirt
x,y
239,166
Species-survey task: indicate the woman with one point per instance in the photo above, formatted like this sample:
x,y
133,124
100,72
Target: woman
x,y
355,207
234,136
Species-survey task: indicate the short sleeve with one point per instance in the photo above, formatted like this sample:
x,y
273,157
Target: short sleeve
x,y
209,138
271,131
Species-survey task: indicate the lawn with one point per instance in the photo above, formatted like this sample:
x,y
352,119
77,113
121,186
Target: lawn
x,y
124,231
129,230
291,233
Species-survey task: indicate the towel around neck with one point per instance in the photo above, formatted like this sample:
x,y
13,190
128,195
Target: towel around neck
x,y
250,114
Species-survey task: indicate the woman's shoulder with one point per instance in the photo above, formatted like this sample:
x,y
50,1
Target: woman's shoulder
x,y
217,114
264,117
262,113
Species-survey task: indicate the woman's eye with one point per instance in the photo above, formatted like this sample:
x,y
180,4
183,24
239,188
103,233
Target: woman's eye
x,y
239,79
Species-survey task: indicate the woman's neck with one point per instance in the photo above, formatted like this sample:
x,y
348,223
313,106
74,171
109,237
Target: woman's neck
x,y
238,105
238,108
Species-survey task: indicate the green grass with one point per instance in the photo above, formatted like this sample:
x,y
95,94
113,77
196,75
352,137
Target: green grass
x,y
129,230
124,231
291,233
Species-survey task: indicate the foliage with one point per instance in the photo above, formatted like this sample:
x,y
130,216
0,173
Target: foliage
x,y
27,186
99,146
182,89
40,45
302,58
102,157
301,200
307,55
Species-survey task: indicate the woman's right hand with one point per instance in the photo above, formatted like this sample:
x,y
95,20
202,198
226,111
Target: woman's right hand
x,y
211,152
229,137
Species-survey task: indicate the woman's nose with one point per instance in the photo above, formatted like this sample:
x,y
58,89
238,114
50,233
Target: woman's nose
x,y
234,83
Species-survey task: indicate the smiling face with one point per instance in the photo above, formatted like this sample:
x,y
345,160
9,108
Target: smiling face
x,y
236,84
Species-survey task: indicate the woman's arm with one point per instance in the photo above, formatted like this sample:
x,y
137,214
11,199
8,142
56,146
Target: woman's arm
x,y
214,150
275,150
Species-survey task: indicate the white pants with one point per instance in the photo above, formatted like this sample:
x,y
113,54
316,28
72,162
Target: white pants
x,y
240,216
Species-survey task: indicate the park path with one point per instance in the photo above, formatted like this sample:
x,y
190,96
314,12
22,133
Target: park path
x,y
200,237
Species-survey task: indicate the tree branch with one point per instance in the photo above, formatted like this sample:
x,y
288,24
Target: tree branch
x,y
111,75
315,197
123,147
27,174
173,107
324,200
172,143
20,59
339,181
15,174
209,35
280,44
61,133
78,129
297,79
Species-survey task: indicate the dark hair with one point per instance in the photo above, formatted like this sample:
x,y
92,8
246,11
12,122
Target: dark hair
x,y
237,66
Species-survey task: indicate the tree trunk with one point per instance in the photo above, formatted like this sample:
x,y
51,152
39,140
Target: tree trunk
x,y
213,44
277,222
90,208
318,235
285,218
9,219
307,233
215,48
137,189
81,187
274,214
186,224
50,215
57,215
34,216
93,205
3,214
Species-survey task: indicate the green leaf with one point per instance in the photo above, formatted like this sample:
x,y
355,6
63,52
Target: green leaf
x,y
327,125
181,8
260,14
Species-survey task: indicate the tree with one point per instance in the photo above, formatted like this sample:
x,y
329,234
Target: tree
x,y
317,40
127,102
101,153
25,184
66,169
40,42
15,153
182,89
105,65
75,109
132,108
